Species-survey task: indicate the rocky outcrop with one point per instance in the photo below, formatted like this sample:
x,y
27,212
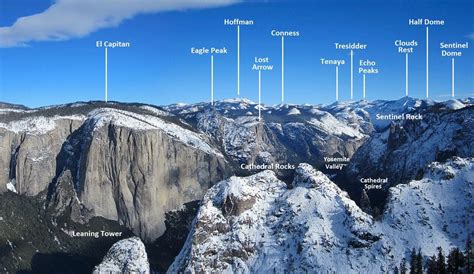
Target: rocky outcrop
x,y
311,226
281,230
125,256
404,150
285,134
5,158
244,140
28,151
129,165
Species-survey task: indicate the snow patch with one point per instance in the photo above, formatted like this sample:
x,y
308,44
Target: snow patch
x,y
294,111
329,123
11,187
454,104
37,125
156,111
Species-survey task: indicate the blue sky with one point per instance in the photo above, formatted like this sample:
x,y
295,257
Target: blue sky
x,y
159,69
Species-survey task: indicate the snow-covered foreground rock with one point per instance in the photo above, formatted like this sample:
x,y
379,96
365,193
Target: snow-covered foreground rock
x,y
257,224
125,256
437,210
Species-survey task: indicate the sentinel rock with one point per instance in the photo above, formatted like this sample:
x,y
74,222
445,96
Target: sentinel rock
x,y
404,150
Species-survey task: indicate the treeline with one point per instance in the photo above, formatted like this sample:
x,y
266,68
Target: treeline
x,y
456,262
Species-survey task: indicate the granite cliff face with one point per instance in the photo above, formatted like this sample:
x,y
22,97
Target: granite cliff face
x,y
136,176
131,166
28,151
139,165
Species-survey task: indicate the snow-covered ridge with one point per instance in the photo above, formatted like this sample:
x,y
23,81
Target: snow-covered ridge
x,y
37,125
104,116
455,104
238,101
125,256
345,112
7,110
156,111
256,224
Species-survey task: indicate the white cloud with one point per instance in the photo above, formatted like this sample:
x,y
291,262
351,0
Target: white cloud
x,y
67,19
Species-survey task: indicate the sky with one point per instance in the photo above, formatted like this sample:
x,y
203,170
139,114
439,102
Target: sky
x,y
48,52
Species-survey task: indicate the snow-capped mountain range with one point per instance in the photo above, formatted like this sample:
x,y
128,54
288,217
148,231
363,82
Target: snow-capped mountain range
x,y
136,164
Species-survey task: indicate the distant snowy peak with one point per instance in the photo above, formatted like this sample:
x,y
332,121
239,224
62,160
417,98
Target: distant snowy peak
x,y
371,110
222,105
361,115
125,256
237,101
455,104
294,111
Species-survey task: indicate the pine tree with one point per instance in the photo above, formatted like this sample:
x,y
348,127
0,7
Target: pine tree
x,y
451,266
432,267
395,270
441,262
413,268
403,266
377,213
455,261
419,263
468,256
